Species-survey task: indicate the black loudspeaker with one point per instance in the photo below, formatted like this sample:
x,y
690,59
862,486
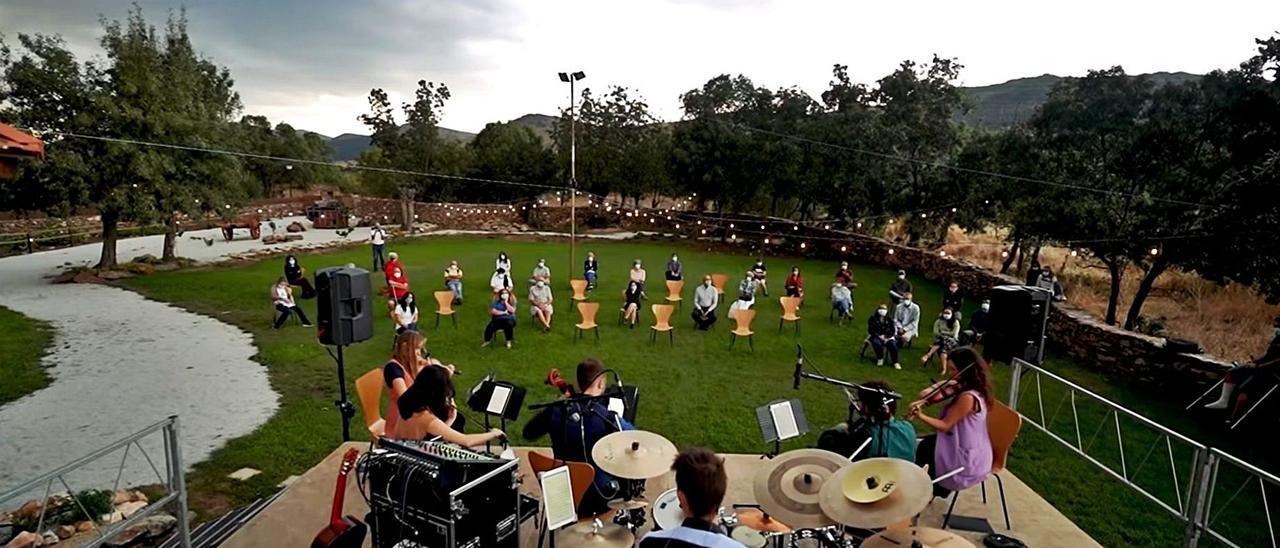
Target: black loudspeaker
x,y
1019,317
345,305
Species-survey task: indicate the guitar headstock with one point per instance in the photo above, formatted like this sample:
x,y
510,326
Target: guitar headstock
x,y
348,460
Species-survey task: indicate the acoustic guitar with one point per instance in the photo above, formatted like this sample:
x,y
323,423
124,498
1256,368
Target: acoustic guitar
x,y
342,531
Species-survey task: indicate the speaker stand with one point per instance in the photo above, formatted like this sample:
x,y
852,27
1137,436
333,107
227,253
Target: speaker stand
x,y
345,407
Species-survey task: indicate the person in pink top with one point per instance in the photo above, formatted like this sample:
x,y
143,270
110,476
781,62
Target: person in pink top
x,y
961,440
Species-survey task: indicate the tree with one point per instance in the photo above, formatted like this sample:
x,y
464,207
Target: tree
x,y
621,146
256,135
406,148
507,152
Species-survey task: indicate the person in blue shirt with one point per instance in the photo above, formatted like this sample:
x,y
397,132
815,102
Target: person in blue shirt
x,y
576,426
700,486
502,317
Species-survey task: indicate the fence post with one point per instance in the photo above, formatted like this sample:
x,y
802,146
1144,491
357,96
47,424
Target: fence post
x,y
1014,382
1198,496
179,483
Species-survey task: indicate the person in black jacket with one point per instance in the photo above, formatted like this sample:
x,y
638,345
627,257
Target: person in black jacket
x,y
899,288
297,276
978,324
882,335
590,270
951,299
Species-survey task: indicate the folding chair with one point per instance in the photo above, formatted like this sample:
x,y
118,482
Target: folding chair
x,y
581,475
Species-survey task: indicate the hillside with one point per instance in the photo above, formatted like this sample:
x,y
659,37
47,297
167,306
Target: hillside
x,y
349,146
1002,105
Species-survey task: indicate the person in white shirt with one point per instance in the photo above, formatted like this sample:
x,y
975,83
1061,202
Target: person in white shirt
x,y
540,304
638,275
906,317
502,262
405,313
842,300
282,298
541,273
746,294
499,281
378,240
705,301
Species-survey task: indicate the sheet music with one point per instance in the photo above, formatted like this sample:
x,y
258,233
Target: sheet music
x,y
784,420
498,400
557,498
617,406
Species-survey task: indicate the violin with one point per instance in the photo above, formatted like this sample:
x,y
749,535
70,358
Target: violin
x,y
942,392
559,383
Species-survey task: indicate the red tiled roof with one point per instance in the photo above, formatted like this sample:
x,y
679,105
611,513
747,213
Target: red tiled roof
x,y
14,142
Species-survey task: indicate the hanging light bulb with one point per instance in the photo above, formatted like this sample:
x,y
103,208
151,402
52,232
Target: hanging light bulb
x,y
1074,253
890,221
1155,251
803,245
1004,254
733,236
943,253
923,215
731,225
891,251
859,224
953,210
843,248
795,227
677,226
826,227
699,222
761,227
704,232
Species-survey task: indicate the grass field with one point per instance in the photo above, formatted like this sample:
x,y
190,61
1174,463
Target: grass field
x,y
697,392
25,341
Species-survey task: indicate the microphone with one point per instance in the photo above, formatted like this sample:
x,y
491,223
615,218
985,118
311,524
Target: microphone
x,y
795,377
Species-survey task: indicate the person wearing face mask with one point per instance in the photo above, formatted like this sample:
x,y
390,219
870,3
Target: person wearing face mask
x,y
396,276
590,269
761,274
746,294
502,317
1251,380
979,322
541,273
794,284
638,276
946,336
883,336
951,299
503,262
499,281
540,304
705,301
844,276
900,288
841,300
297,276
906,316
453,281
675,270
631,304
405,313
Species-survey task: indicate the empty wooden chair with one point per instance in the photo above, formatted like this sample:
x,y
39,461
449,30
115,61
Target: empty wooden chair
x,y
444,307
743,319
588,312
579,289
369,391
790,308
718,280
662,322
674,287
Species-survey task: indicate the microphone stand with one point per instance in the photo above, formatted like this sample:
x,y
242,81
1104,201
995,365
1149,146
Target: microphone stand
x,y
800,373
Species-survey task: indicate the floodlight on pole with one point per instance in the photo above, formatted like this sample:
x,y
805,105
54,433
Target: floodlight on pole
x,y
570,78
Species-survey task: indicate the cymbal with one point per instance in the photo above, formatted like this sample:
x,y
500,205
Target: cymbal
x,y
627,504
870,480
910,496
748,537
928,538
788,487
757,520
608,535
634,454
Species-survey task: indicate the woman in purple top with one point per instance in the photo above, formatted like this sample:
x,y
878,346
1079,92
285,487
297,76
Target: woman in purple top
x,y
961,439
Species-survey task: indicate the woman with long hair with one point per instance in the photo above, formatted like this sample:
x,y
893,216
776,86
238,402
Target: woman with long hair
x,y
502,317
631,303
961,439
298,276
946,336
408,359
405,313
424,409
503,262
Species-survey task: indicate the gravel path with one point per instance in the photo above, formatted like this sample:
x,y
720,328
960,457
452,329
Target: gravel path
x,y
124,362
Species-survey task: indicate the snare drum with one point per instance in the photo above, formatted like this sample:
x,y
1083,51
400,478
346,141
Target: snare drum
x,y
667,513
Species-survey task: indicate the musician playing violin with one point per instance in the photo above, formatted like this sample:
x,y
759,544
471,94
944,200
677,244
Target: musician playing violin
x,y
961,440
408,358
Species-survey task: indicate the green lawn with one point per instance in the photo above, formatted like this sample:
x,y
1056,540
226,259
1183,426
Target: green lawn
x,y
25,341
695,393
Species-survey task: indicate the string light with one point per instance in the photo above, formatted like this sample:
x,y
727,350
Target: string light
x,y
677,226
923,215
761,227
795,227
802,245
766,241
731,225
1073,253
1155,251
826,227
890,221
859,224
733,236
843,248
953,210
891,251
704,232
943,253
1004,254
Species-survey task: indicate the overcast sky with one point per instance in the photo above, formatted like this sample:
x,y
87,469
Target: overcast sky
x,y
312,62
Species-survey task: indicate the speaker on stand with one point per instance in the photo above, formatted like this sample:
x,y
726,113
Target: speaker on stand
x,y
1019,320
344,305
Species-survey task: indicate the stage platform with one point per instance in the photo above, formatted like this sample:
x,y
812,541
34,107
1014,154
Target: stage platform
x,y
303,509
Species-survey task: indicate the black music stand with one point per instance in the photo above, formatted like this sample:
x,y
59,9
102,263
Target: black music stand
x,y
496,398
781,420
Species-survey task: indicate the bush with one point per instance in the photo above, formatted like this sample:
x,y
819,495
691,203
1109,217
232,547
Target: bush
x,y
65,511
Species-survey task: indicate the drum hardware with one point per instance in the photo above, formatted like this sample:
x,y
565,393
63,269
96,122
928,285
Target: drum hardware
x,y
922,537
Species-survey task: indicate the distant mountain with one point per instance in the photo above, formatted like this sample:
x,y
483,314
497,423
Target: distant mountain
x,y
349,146
1002,105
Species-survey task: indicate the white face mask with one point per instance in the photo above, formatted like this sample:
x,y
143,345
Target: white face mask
x,y
986,307
707,283
881,312
907,300
503,296
541,285
902,276
674,258
946,316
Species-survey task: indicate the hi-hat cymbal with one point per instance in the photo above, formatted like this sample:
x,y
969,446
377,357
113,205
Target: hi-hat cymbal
x,y
607,535
628,504
634,454
760,521
788,487
928,538
910,496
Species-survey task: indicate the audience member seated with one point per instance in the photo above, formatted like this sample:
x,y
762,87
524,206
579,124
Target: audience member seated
x,y
675,270
638,275
282,299
590,269
705,301
502,317
951,299
979,322
1049,281
906,316
500,280
540,300
423,405
761,274
882,333
575,428
541,273
841,300
396,275
844,276
900,287
1033,273
890,436
961,438
946,335
404,313
631,299
503,262
700,486
746,294
298,276
794,284
453,281
1250,381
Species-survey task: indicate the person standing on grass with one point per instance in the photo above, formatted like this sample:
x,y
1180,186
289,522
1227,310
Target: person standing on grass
x,y
378,241
906,316
590,269
705,301
502,317
946,335
631,304
397,277
453,281
675,270
883,336
540,299
282,298
405,313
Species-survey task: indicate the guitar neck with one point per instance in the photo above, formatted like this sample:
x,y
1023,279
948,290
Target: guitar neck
x,y
340,490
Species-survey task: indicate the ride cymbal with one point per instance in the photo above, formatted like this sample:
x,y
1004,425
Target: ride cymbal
x,y
788,487
928,538
634,454
596,535
910,495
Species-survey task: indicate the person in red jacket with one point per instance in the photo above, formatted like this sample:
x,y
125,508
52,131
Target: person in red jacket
x,y
397,278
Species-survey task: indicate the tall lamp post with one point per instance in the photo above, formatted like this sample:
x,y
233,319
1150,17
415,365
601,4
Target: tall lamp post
x,y
573,164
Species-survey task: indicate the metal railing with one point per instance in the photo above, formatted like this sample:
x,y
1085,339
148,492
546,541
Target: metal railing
x,y
171,478
1187,477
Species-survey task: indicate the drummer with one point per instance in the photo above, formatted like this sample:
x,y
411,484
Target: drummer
x,y
576,427
700,484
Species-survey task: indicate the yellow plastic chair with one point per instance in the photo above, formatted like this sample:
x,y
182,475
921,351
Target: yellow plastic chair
x,y
662,322
588,312
579,289
790,308
743,318
674,287
718,280
1003,426
444,307
369,391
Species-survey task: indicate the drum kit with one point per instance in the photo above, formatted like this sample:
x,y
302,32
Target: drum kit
x,y
805,497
